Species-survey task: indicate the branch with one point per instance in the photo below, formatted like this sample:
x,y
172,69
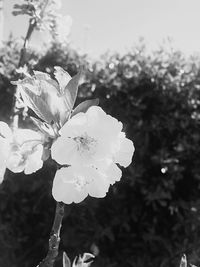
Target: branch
x,y
22,61
54,237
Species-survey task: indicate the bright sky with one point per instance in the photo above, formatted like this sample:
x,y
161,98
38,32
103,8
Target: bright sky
x,y
99,25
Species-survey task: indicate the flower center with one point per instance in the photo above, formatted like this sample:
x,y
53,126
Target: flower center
x,y
86,144
80,183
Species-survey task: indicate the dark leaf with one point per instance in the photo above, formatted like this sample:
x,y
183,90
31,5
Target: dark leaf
x,y
71,90
62,77
38,105
84,106
45,127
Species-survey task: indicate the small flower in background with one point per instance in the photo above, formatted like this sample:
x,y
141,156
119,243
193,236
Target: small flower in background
x,y
61,28
91,143
26,151
21,150
43,11
45,14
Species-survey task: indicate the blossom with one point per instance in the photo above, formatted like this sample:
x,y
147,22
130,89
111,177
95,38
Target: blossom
x,y
91,143
21,150
25,152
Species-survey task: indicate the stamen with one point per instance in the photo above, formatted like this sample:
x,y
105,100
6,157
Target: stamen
x,y
85,143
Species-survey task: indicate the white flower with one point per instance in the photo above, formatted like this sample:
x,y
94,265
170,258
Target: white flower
x,y
25,152
21,150
91,143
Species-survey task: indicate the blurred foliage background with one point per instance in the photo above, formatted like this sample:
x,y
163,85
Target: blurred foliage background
x,y
152,216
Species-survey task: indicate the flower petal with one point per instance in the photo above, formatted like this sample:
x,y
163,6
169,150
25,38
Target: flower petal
x,y
34,161
99,185
5,130
74,126
21,136
2,172
125,153
102,124
62,77
63,150
65,189
15,162
113,173
4,150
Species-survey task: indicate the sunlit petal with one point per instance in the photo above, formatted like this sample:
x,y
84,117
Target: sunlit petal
x,y
113,173
65,187
5,130
125,153
34,161
64,151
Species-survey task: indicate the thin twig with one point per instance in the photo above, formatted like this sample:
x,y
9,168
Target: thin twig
x,y
32,24
54,240
22,61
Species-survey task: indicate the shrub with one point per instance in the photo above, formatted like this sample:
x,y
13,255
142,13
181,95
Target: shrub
x,y
152,216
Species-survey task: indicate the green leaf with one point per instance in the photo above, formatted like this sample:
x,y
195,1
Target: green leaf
x,y
38,105
84,106
71,90
29,83
44,77
66,260
42,94
55,101
62,77
46,128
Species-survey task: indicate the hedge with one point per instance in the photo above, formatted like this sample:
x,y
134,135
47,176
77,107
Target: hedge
x,y
151,217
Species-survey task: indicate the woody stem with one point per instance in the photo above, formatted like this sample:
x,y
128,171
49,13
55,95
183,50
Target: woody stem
x,y
54,240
